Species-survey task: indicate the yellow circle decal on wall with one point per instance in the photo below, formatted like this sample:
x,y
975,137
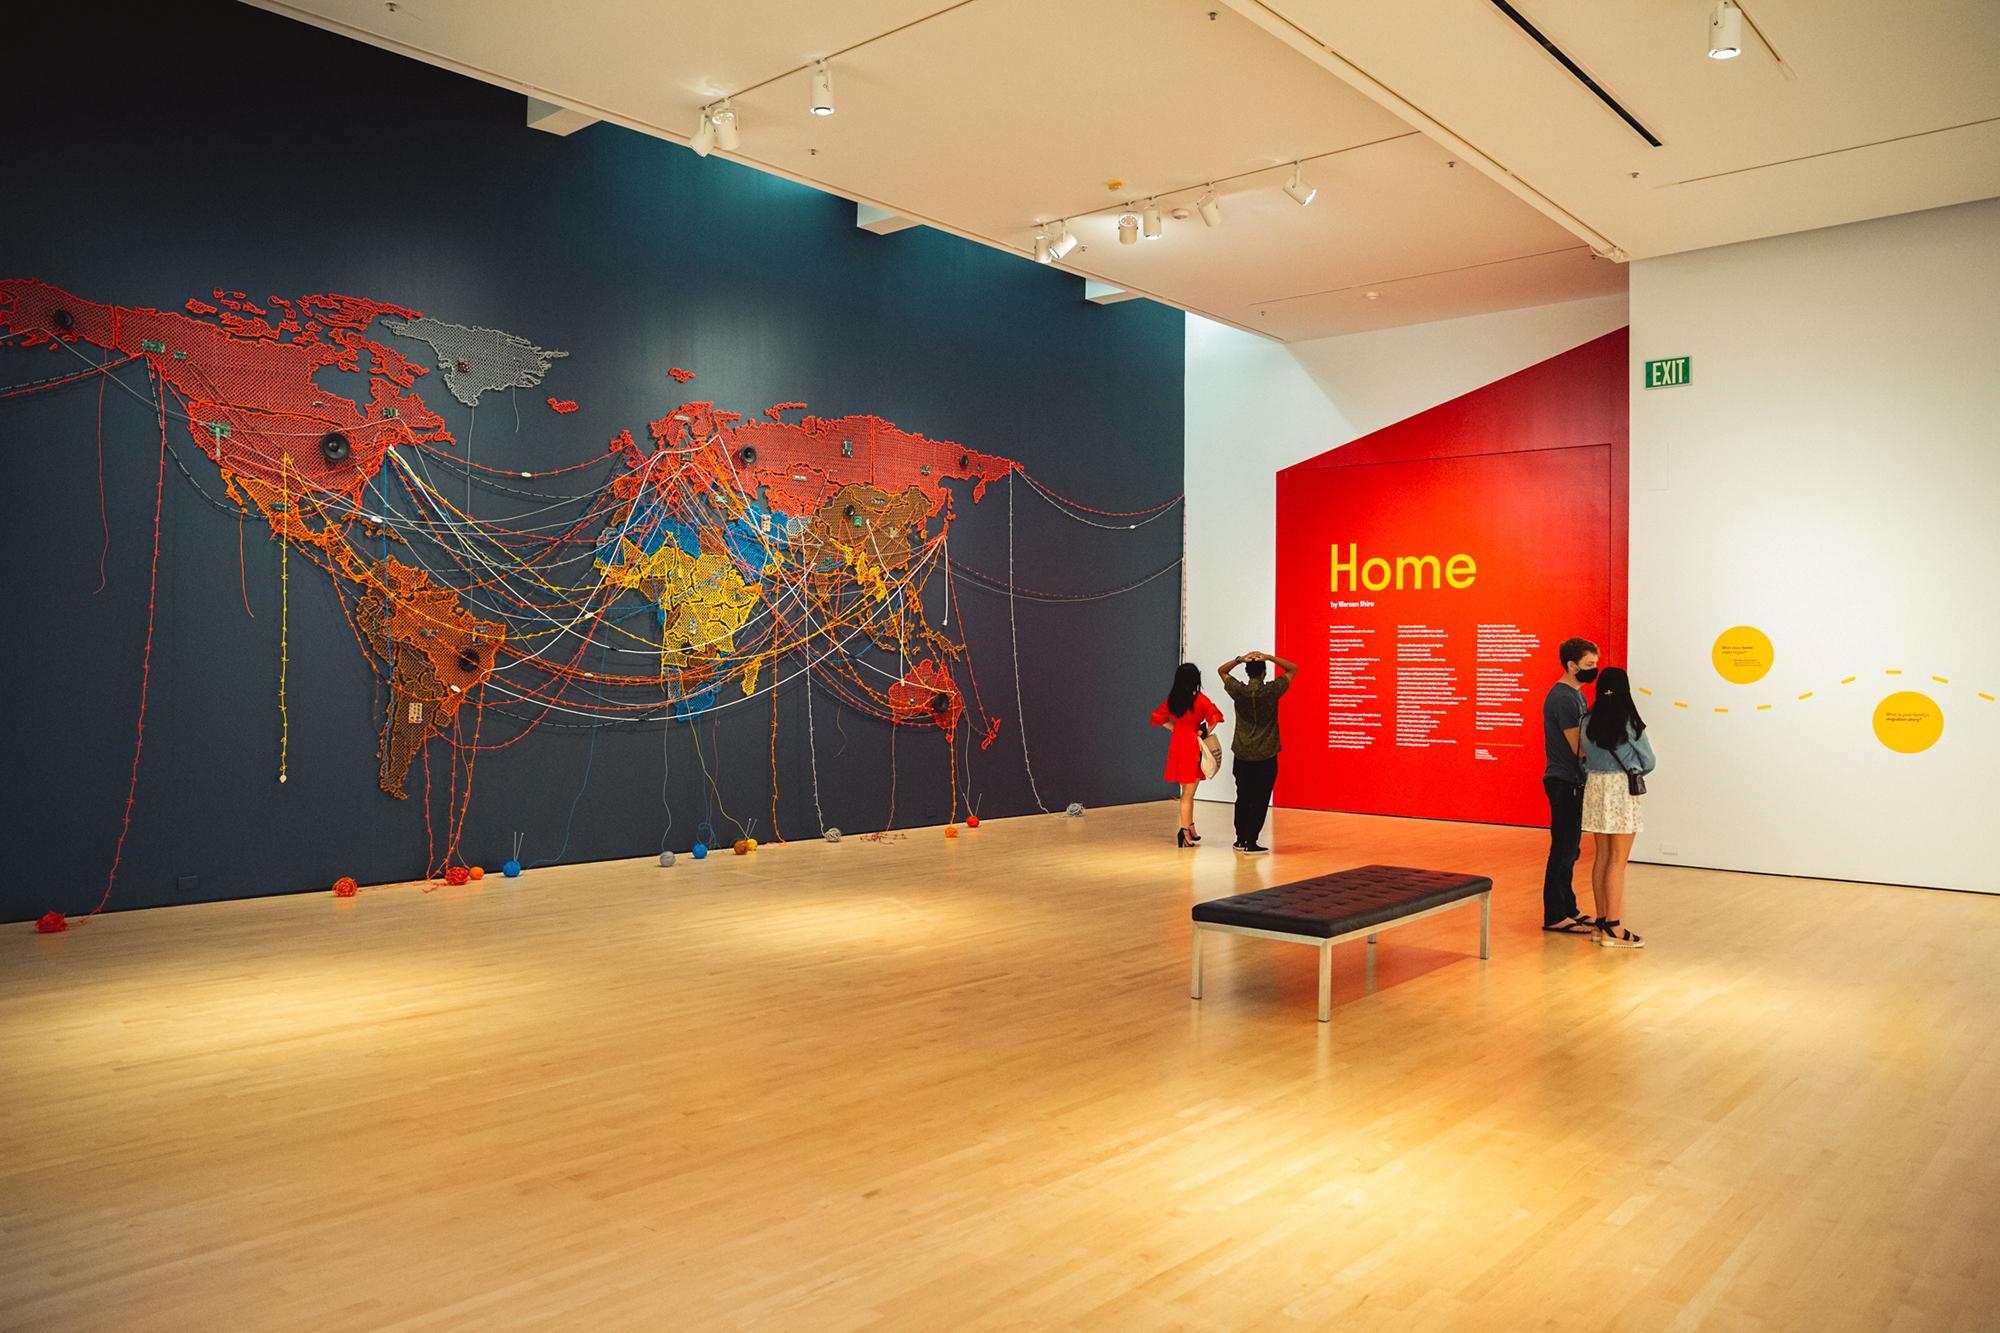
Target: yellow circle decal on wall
x,y
1742,655
1908,722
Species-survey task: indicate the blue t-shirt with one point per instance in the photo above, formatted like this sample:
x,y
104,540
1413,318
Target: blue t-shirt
x,y
1562,709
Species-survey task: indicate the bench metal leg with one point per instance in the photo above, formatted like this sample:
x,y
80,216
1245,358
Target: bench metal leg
x,y
1326,981
1485,921
1194,986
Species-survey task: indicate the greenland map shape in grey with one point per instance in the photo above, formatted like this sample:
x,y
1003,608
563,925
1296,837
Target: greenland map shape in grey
x,y
492,359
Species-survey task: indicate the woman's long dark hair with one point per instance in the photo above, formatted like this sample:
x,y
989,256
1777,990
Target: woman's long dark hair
x,y
1614,717
1187,683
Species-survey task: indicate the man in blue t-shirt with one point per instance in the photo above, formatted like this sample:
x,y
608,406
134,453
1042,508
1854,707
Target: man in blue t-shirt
x,y
1563,711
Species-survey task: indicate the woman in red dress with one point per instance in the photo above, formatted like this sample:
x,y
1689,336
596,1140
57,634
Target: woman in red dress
x,y
1189,715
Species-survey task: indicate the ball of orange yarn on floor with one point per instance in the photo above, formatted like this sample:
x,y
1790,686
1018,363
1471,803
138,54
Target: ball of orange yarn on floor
x,y
457,875
951,830
477,872
743,846
51,922
345,887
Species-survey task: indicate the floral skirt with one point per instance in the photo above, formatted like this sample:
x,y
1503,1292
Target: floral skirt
x,y
1609,807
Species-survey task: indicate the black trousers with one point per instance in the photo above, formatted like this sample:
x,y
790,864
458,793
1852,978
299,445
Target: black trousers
x,y
1565,845
1254,780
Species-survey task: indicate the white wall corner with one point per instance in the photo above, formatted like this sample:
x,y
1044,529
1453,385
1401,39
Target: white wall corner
x,y
880,220
554,118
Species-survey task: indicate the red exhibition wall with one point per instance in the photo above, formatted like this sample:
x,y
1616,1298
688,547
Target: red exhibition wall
x,y
1426,574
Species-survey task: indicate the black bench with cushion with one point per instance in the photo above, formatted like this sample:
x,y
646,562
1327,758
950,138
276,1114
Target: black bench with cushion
x,y
1327,909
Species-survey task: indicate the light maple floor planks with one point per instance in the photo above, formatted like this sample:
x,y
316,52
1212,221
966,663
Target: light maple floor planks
x,y
926,1084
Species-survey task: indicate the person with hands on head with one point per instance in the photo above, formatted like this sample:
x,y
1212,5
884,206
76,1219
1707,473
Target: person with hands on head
x,y
1254,744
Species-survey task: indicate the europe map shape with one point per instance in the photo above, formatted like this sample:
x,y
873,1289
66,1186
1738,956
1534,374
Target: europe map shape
x,y
732,544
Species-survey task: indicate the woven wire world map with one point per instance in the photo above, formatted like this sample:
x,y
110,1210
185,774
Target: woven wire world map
x,y
709,553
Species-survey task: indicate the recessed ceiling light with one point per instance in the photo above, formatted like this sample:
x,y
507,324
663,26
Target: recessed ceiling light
x,y
1298,189
1725,31
822,91
1373,295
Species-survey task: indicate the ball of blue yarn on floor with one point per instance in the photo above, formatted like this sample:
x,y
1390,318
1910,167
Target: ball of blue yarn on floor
x,y
512,870
701,851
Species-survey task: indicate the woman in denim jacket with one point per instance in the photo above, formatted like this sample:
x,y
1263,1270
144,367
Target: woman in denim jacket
x,y
1614,746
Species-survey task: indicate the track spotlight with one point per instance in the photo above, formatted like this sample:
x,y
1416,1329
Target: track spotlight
x,y
1210,210
1128,229
1155,225
724,117
1298,189
1044,252
1063,242
822,98
1725,31
703,141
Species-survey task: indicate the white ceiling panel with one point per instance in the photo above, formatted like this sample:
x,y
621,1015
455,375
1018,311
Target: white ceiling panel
x,y
989,116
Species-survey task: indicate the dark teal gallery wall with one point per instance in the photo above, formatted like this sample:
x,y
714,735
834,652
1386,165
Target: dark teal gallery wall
x,y
160,153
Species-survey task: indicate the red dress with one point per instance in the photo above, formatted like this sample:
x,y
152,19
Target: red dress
x,y
1184,745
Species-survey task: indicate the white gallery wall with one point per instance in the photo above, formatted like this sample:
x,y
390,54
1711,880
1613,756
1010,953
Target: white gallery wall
x,y
1255,406
1829,476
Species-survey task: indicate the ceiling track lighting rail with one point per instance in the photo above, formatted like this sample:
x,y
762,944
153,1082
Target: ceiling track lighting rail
x,y
1149,221
1561,57
820,99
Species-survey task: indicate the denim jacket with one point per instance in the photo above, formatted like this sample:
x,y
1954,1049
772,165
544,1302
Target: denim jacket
x,y
1634,752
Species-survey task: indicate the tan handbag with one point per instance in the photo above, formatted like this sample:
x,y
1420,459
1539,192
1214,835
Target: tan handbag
x,y
1211,755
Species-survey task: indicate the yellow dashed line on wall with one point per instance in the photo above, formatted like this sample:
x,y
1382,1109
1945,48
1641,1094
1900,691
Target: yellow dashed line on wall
x,y
1808,694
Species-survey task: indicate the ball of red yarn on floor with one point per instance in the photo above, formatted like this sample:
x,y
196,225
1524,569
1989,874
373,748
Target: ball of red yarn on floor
x,y
457,875
345,887
52,922
972,821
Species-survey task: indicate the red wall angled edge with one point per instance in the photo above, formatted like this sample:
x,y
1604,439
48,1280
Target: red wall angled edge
x,y
1568,402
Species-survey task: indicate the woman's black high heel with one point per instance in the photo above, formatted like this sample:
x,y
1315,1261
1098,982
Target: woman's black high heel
x,y
1193,837
1182,838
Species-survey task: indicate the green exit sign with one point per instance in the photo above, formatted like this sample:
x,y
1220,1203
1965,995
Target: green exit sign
x,y
1667,373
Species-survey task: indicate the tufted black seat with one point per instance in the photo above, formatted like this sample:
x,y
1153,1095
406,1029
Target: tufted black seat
x,y
1343,902
1326,909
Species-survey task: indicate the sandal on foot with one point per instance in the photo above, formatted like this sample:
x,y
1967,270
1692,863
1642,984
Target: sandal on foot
x,y
1612,935
1575,925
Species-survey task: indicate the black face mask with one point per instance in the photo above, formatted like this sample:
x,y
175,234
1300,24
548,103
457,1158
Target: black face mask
x,y
1585,677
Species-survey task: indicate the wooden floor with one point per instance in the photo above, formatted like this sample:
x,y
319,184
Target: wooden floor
x,y
929,1085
